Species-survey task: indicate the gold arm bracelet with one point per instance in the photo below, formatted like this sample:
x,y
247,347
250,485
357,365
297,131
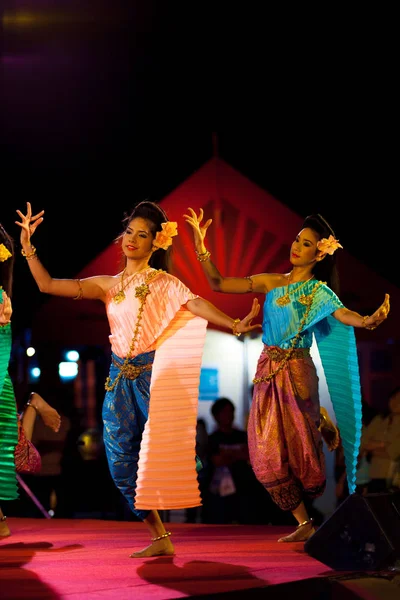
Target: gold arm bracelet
x,y
251,283
80,291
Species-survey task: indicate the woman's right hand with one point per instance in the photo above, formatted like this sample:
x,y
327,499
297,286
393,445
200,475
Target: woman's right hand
x,y
245,324
28,224
199,230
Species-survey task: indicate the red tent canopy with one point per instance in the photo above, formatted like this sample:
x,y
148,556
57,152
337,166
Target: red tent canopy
x,y
251,233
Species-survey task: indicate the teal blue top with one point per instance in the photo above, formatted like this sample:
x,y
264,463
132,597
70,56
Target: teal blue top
x,y
337,349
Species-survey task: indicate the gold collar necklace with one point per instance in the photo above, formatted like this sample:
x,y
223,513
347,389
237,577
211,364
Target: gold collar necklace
x,y
120,296
285,299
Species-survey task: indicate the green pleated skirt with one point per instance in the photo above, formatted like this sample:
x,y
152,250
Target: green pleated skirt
x,y
8,441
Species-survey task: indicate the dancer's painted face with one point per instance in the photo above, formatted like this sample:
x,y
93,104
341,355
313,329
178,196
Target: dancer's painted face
x,y
304,248
137,239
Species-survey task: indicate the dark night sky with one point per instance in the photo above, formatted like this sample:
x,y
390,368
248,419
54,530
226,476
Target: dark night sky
x,y
106,106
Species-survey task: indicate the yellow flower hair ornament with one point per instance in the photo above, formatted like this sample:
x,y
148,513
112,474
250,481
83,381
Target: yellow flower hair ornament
x,y
328,245
164,237
5,254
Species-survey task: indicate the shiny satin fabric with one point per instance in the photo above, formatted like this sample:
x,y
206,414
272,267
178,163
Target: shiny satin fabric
x,y
150,422
125,412
285,445
337,351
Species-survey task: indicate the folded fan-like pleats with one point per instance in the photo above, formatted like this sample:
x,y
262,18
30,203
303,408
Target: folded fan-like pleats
x,y
8,421
339,359
167,477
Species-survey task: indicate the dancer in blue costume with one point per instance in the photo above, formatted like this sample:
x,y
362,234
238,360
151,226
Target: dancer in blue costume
x,y
286,420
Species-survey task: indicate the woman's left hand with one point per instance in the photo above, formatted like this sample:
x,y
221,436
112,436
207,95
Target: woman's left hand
x,y
379,315
245,324
28,224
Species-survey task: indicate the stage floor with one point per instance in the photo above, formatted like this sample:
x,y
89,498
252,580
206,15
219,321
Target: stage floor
x,y
88,559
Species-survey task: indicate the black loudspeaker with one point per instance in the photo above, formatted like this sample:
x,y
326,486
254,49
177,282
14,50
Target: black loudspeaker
x,y
362,534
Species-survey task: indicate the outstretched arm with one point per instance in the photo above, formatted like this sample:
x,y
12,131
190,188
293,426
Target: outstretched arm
x,y
219,283
206,310
89,288
350,317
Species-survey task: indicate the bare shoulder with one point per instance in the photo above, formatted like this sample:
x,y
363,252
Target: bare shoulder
x,y
265,282
107,282
104,282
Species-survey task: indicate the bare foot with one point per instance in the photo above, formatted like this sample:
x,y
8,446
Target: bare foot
x,y
159,548
49,415
300,534
4,529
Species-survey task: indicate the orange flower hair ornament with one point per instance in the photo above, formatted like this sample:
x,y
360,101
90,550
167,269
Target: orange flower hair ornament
x,y
5,254
328,245
164,237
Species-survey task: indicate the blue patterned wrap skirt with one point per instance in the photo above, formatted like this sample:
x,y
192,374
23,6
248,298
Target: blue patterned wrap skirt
x,y
125,412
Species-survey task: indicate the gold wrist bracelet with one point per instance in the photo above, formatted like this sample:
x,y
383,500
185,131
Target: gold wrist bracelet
x,y
369,327
234,324
203,257
29,255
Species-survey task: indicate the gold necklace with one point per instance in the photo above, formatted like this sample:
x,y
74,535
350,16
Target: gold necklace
x,y
285,299
141,292
120,296
294,340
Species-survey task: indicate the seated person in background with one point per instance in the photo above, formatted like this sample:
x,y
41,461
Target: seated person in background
x,y
192,515
233,493
47,483
26,455
380,441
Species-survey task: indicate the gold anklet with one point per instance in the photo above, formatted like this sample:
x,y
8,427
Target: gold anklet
x,y
161,537
33,406
310,521
3,518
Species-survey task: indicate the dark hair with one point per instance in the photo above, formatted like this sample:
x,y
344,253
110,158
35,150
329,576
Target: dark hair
x,y
6,266
155,216
326,269
219,405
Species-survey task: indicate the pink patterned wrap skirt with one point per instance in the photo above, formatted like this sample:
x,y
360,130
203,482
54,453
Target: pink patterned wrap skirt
x,y
285,444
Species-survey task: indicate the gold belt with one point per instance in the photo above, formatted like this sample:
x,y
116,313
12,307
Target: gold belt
x,y
278,354
132,371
